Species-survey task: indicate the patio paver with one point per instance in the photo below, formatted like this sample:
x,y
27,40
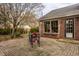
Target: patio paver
x,y
21,47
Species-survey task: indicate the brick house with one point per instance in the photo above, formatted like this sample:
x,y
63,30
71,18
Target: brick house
x,y
61,23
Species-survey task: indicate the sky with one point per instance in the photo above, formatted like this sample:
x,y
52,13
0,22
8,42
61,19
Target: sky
x,y
52,6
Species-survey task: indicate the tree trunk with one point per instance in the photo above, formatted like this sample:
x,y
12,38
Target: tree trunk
x,y
13,32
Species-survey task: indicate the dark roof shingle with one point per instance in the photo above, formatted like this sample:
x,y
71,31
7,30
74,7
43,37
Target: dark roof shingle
x,y
62,12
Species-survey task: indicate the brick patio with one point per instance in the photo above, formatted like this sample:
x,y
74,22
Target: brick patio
x,y
49,47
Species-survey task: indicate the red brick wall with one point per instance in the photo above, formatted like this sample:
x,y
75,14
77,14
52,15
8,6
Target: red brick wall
x,y
41,30
62,28
76,28
51,35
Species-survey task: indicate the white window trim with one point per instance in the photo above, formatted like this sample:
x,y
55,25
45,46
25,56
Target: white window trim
x,y
50,27
74,18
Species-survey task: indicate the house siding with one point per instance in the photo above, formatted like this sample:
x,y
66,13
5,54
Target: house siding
x,y
51,35
62,14
43,34
61,29
58,35
76,34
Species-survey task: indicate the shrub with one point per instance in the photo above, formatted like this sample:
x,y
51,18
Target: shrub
x,y
21,30
17,34
5,31
34,30
9,31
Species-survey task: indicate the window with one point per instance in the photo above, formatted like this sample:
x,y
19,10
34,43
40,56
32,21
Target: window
x,y
69,26
54,26
47,26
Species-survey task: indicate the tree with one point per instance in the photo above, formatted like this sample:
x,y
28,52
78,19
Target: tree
x,y
16,14
3,16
